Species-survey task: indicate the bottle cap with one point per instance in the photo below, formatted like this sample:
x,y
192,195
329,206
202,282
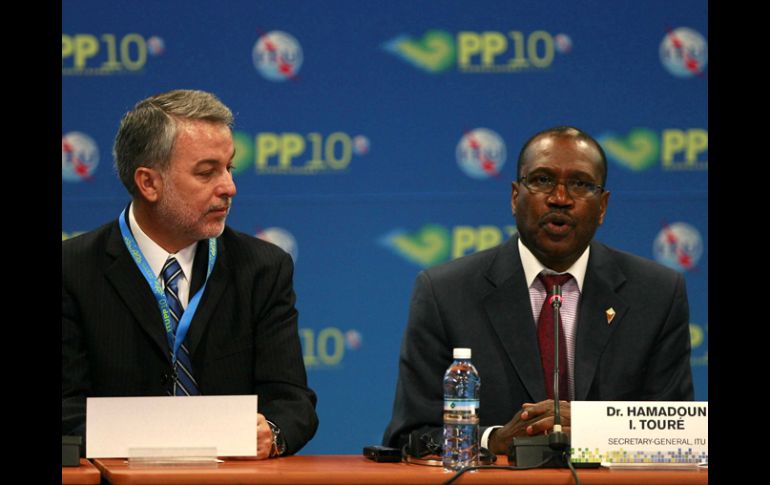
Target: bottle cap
x,y
461,353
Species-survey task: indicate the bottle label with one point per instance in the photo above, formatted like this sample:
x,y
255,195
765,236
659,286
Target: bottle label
x,y
461,405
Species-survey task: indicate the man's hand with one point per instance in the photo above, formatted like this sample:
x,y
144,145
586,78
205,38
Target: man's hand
x,y
264,438
264,441
531,420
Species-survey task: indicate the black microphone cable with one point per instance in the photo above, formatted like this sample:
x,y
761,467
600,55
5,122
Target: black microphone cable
x,y
511,467
493,467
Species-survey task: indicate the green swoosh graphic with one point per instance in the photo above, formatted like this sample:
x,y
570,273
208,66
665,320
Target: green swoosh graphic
x,y
244,152
426,247
435,52
637,151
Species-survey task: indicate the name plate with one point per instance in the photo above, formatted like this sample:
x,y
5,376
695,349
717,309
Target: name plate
x,y
639,431
117,425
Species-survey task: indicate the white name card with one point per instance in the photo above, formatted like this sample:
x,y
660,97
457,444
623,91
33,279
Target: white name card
x,y
639,431
114,425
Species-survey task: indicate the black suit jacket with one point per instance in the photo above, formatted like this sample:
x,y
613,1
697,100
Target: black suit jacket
x,y
482,301
243,339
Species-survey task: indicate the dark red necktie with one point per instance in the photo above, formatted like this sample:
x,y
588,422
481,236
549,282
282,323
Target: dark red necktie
x,y
545,338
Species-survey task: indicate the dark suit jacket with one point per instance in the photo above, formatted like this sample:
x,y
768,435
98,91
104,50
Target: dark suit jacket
x,y
243,338
482,301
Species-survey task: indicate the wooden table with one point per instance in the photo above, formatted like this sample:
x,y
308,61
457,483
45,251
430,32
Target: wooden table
x,y
349,469
84,474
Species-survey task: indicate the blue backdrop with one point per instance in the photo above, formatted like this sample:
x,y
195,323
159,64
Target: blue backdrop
x,y
375,139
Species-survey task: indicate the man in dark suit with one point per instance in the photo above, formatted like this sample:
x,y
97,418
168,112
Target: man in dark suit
x,y
167,300
625,320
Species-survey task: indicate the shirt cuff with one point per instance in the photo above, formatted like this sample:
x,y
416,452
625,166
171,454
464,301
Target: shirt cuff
x,y
485,436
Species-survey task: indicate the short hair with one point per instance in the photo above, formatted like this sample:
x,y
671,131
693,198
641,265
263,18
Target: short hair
x,y
147,132
565,132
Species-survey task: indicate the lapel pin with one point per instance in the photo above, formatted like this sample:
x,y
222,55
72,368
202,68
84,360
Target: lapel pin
x,y
610,312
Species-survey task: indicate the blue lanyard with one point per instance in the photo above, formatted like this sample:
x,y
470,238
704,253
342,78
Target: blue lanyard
x,y
174,342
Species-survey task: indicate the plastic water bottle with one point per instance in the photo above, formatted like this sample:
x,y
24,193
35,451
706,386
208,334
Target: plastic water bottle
x,y
461,412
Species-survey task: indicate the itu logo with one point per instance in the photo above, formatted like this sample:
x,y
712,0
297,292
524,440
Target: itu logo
x,y
277,56
678,246
481,153
353,339
563,43
281,238
79,156
684,52
156,46
360,145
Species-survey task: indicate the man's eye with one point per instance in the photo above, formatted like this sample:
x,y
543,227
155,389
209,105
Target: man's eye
x,y
542,180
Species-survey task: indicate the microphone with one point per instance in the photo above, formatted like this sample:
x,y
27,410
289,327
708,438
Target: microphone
x,y
557,440
546,451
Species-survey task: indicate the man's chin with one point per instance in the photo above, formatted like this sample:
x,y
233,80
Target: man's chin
x,y
556,245
557,251
212,231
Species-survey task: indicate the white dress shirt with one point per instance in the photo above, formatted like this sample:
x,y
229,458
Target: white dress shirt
x,y
156,257
569,308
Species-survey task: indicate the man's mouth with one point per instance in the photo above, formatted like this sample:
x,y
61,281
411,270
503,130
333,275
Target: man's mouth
x,y
557,224
222,209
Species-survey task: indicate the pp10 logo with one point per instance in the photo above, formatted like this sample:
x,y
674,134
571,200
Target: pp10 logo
x,y
533,50
323,349
106,54
684,148
295,153
486,51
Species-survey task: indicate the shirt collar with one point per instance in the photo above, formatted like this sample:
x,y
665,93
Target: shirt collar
x,y
155,255
533,267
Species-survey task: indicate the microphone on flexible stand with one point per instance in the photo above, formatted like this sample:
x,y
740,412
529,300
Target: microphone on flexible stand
x,y
557,440
545,451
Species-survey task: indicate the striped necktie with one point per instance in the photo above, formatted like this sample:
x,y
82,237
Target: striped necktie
x,y
184,384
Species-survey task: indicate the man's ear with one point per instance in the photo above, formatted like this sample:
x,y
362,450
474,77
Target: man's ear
x,y
149,183
514,194
605,199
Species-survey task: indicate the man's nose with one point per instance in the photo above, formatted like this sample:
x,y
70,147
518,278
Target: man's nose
x,y
227,187
560,196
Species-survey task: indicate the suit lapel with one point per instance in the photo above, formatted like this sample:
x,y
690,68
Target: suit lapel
x,y
131,286
129,283
603,278
510,311
214,288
